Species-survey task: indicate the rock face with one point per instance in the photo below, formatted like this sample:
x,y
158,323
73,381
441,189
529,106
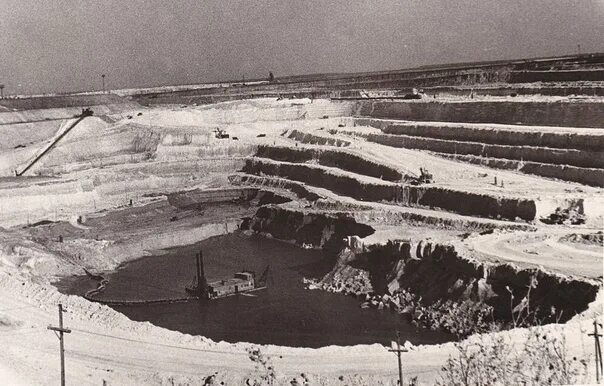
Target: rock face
x,y
316,139
326,231
436,273
539,113
396,274
461,202
587,176
328,157
573,157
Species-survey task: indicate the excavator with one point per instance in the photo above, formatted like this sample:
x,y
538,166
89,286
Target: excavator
x,y
424,177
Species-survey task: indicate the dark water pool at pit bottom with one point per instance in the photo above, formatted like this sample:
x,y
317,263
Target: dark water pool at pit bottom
x,y
284,314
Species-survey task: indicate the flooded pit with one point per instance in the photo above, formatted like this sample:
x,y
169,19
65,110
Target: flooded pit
x,y
283,314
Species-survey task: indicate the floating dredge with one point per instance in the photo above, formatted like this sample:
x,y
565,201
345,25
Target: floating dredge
x,y
241,283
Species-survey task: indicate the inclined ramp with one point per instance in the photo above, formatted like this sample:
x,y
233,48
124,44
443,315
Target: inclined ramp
x,y
62,133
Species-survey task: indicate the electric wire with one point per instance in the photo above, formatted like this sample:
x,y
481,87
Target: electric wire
x,y
157,344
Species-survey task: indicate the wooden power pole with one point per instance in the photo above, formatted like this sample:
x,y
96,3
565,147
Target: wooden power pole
x,y
598,349
59,331
396,348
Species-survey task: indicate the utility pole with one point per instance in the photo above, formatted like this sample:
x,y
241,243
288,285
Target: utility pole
x,y
598,350
59,331
103,78
396,348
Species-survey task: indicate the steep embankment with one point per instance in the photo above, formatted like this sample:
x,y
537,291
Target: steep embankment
x,y
436,272
313,139
26,134
550,113
242,179
55,114
36,199
371,189
566,153
420,273
101,241
320,230
327,157
587,176
581,158
512,135
65,101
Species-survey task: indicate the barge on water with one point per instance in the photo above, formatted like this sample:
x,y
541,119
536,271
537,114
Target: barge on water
x,y
241,283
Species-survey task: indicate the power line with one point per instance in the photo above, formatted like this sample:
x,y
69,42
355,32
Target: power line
x,y
598,350
60,331
398,350
175,346
158,344
76,357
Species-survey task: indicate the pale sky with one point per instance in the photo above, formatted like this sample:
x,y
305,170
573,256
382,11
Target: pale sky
x,y
65,45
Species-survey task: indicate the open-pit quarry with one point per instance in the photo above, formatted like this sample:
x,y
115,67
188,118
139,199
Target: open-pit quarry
x,y
480,193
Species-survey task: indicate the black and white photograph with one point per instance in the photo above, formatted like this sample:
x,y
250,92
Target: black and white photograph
x,y
301,193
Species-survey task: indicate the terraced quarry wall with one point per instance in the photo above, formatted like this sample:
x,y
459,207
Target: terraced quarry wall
x,y
120,186
298,189
587,176
26,200
240,112
13,135
63,101
222,96
557,76
432,78
570,154
317,139
408,195
62,113
193,198
35,120
505,90
343,160
569,114
322,86
581,158
499,135
77,146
